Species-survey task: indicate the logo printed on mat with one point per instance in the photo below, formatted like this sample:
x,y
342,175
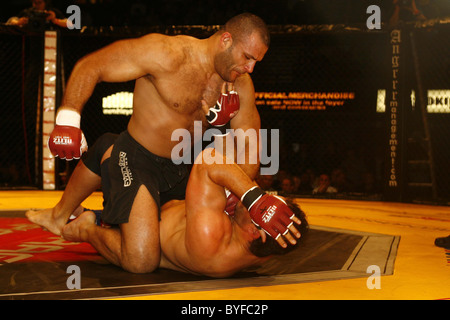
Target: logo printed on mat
x,y
22,241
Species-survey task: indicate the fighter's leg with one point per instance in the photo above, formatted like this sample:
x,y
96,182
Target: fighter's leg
x,y
129,184
84,180
82,183
134,246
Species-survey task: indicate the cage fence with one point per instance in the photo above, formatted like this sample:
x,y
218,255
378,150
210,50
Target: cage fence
x,y
328,92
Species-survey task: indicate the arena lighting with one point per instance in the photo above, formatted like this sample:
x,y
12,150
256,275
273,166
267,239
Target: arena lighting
x,y
120,103
438,101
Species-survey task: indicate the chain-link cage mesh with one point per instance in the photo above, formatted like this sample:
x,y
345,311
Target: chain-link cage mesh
x,y
326,90
326,110
21,60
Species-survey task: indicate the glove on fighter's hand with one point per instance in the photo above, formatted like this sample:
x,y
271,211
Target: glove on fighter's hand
x,y
67,141
268,212
232,201
225,108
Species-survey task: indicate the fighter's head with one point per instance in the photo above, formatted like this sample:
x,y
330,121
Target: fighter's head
x,y
244,40
259,243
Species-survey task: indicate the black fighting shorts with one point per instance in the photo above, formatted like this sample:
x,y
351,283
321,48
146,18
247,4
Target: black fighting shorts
x,y
129,167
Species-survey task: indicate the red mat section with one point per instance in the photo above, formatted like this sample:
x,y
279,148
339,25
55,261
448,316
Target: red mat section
x,y
22,241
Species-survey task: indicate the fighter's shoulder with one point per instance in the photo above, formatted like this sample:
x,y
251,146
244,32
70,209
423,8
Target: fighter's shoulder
x,y
170,50
244,85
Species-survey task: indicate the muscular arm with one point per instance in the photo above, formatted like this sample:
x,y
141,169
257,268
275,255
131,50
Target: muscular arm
x,y
208,235
247,119
121,61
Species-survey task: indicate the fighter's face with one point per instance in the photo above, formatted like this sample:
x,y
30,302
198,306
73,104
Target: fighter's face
x,y
240,57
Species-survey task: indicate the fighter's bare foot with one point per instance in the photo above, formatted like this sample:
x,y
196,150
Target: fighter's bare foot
x,y
50,219
45,219
76,230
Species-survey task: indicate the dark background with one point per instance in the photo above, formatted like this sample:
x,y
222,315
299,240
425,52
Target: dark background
x,y
213,12
312,58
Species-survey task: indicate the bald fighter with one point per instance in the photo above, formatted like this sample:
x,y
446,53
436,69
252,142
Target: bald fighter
x,y
211,232
176,76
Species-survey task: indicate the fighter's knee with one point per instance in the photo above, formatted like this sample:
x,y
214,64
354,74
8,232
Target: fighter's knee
x,y
142,262
141,266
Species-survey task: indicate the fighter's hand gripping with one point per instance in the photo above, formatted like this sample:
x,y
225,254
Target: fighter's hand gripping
x,y
225,108
270,213
67,141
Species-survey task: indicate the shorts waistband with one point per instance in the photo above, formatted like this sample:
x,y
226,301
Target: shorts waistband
x,y
147,153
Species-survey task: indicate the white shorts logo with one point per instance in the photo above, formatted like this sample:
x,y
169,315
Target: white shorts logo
x,y
126,173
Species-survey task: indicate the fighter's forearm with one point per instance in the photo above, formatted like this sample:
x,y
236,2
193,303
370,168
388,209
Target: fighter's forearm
x,y
81,85
230,176
251,170
244,155
248,156
246,125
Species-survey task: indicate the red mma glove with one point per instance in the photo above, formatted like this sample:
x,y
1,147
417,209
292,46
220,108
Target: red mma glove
x,y
232,201
268,212
67,141
224,110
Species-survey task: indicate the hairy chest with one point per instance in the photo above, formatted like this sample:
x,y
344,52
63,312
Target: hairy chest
x,y
185,90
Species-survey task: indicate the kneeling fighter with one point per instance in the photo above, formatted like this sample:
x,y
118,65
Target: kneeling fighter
x,y
173,76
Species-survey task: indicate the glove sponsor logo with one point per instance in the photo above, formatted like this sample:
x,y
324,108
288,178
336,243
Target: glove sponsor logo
x,y
268,213
126,173
62,140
